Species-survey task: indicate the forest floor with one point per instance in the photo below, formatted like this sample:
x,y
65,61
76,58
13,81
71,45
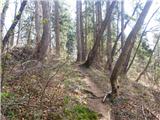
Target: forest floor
x,y
61,90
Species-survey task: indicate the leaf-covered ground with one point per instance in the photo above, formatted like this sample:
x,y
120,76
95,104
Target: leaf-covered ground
x,y
58,89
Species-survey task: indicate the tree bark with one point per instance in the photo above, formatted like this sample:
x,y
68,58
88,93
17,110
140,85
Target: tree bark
x,y
128,45
78,33
57,28
9,32
104,24
38,20
108,66
44,43
149,61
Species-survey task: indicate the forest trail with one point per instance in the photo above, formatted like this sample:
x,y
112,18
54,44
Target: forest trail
x,y
96,104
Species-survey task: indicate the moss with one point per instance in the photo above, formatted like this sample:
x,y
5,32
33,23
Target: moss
x,y
80,112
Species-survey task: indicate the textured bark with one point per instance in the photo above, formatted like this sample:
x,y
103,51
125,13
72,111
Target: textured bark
x,y
57,27
82,33
9,32
44,43
3,15
128,45
108,66
98,12
78,33
38,20
149,61
104,24
86,29
122,23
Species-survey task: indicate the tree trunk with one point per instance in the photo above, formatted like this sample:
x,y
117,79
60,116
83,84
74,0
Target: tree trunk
x,y
57,27
149,61
128,45
122,23
86,28
140,41
104,24
108,66
38,20
12,36
82,33
118,37
98,12
9,32
44,43
3,15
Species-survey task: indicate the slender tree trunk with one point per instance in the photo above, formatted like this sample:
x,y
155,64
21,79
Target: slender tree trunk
x,y
128,45
122,23
9,32
12,36
118,37
29,32
140,41
57,28
104,24
3,15
149,61
44,43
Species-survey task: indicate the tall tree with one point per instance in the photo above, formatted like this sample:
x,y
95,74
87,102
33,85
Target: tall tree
x,y
93,52
12,27
108,66
44,43
38,20
79,33
57,27
122,23
127,46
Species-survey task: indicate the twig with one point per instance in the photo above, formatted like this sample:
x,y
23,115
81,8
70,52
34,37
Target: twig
x,y
144,113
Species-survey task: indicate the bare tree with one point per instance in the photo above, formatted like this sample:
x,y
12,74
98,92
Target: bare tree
x,y
12,27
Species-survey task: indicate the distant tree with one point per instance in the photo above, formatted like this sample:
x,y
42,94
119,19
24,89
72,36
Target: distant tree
x,y
12,27
3,15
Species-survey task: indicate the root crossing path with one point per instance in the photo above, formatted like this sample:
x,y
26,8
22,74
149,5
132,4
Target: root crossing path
x,y
96,104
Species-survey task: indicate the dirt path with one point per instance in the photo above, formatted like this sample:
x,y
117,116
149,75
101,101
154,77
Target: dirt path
x,y
96,104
